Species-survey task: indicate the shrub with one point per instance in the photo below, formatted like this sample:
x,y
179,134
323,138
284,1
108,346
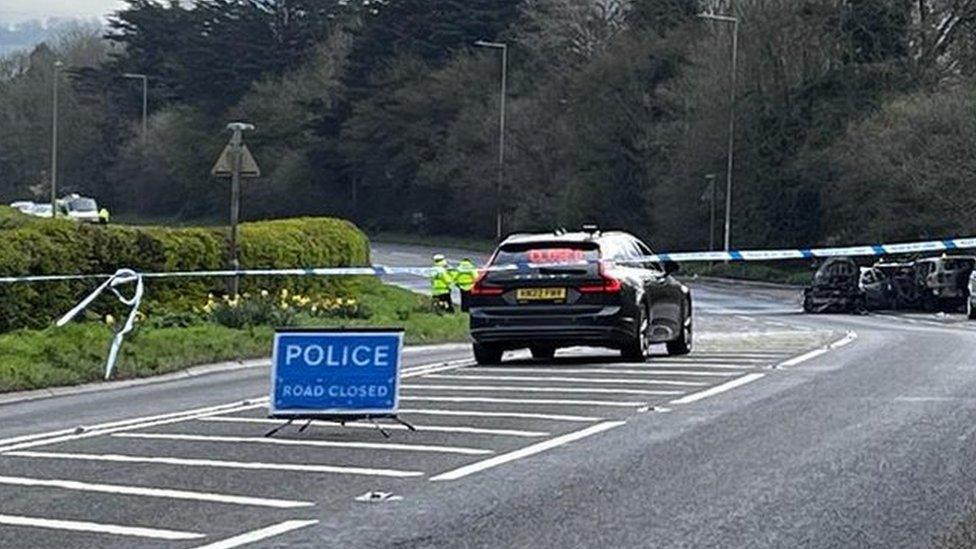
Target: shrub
x,y
60,246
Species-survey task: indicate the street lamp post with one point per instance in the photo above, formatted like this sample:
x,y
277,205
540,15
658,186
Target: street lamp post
x,y
501,132
54,141
732,100
711,206
145,102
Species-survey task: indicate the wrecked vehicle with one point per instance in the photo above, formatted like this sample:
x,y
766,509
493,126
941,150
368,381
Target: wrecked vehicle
x,y
943,281
901,281
878,289
835,288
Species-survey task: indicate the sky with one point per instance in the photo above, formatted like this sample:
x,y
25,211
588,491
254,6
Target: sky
x,y
15,11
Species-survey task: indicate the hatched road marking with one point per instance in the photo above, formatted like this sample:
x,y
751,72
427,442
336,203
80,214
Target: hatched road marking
x,y
527,451
390,446
517,389
260,534
573,380
252,465
390,427
98,528
121,490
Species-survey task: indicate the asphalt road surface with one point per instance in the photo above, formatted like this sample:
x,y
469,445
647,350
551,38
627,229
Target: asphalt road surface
x,y
780,430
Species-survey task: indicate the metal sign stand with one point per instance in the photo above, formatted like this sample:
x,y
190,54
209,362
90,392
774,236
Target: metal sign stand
x,y
342,420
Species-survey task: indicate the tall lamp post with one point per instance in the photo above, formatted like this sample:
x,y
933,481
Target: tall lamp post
x,y
54,141
728,176
145,102
501,132
711,206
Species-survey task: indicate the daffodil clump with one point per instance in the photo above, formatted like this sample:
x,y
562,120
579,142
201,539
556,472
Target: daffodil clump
x,y
277,309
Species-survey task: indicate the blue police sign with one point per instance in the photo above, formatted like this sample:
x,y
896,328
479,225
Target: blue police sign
x,y
335,373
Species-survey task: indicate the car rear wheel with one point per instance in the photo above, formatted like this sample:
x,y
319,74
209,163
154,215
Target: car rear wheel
x,y
682,345
638,347
487,354
541,352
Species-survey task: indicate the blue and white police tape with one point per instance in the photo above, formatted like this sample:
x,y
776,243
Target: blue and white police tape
x,y
875,250
128,276
121,277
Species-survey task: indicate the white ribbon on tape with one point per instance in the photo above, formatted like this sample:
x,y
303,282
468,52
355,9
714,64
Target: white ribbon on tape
x,y
121,277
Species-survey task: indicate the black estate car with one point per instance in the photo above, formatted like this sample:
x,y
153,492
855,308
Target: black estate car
x,y
592,288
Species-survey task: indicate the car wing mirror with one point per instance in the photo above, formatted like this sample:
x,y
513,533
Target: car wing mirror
x,y
671,267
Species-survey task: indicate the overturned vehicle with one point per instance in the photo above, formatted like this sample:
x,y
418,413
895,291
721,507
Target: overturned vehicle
x,y
835,288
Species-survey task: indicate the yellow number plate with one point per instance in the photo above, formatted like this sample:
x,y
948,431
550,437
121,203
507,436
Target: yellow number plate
x,y
540,294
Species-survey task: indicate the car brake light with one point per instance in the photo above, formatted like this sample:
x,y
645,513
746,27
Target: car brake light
x,y
480,289
610,285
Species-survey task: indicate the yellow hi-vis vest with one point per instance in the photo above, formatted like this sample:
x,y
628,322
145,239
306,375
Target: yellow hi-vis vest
x,y
441,280
467,273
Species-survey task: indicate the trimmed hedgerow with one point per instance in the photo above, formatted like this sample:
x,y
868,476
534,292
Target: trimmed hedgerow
x,y
57,246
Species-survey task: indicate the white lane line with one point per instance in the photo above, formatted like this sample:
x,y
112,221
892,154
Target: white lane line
x,y
63,435
715,360
120,490
128,427
260,534
391,427
718,389
517,389
507,415
98,528
527,451
249,465
558,379
846,340
388,446
803,358
559,402
608,371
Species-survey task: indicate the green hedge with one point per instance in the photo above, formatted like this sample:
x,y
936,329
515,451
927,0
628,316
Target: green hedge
x,y
42,247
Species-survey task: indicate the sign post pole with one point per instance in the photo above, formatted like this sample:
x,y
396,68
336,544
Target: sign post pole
x,y
236,162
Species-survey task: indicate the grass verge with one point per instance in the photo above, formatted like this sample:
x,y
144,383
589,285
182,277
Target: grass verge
x,y
75,354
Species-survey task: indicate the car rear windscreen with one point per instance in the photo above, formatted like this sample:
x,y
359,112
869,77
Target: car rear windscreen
x,y
547,253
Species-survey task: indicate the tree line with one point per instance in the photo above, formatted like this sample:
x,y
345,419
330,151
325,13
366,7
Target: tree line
x,y
855,119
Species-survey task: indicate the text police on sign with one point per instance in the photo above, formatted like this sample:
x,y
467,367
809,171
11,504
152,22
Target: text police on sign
x,y
335,373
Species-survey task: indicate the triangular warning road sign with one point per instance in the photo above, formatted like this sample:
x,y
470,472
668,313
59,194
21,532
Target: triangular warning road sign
x,y
225,164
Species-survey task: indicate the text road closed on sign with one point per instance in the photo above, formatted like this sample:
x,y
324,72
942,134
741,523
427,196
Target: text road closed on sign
x,y
330,373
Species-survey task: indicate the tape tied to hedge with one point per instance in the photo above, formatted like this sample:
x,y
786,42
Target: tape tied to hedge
x,y
120,278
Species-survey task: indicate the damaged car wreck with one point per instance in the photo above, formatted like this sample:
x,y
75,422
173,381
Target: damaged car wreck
x,y
835,288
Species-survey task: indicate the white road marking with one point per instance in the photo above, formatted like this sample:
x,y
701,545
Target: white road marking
x,y
714,360
527,451
560,402
803,358
64,435
250,465
517,389
609,371
846,340
260,534
117,489
511,415
557,379
389,446
98,528
718,389
391,427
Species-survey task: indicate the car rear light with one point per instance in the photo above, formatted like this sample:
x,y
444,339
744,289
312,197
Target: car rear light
x,y
610,284
480,289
